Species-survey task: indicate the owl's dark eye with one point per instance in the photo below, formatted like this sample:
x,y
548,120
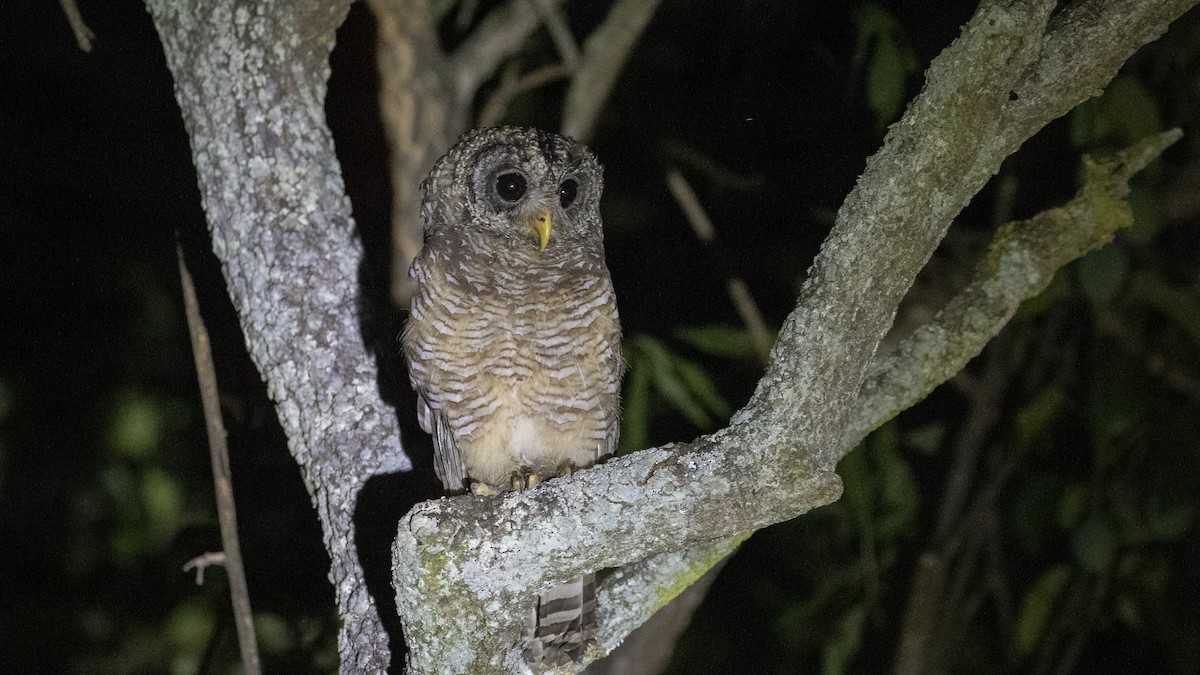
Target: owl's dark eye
x,y
567,192
510,186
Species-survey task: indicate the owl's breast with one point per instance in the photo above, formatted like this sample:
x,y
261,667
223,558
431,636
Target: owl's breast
x,y
525,365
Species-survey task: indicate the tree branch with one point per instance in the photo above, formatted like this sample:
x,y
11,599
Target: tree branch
x,y
604,55
421,118
499,35
250,82
481,563
83,34
218,450
1019,263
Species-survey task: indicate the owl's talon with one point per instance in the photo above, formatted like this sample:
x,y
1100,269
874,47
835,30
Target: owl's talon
x,y
523,479
485,490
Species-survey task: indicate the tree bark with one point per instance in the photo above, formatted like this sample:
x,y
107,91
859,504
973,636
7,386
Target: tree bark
x,y
250,81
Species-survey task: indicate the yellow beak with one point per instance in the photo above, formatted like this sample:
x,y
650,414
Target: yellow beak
x,y
539,222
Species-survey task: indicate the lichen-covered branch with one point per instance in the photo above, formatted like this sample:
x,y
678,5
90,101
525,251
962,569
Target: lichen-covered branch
x,y
1019,263
250,82
481,563
465,554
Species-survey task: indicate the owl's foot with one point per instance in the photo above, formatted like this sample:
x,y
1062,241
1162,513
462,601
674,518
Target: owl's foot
x,y
485,490
524,478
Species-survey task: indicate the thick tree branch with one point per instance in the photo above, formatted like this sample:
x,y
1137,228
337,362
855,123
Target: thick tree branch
x,y
250,81
421,118
485,561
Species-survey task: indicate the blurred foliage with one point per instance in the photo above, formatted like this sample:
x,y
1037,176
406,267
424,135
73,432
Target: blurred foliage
x,y
1043,503
883,53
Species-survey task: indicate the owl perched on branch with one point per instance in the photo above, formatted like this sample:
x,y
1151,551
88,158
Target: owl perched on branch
x,y
513,342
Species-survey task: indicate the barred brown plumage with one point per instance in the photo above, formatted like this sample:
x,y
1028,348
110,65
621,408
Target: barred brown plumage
x,y
513,341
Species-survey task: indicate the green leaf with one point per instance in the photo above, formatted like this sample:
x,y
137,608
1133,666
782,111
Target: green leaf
x,y
1035,416
1094,545
901,497
669,383
274,634
1033,513
926,439
1172,522
635,408
190,626
1128,612
439,8
1102,273
1073,505
162,500
883,49
844,642
136,426
719,340
1037,608
700,384
1125,113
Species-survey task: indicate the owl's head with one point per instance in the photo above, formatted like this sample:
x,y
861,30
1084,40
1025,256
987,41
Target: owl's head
x,y
530,187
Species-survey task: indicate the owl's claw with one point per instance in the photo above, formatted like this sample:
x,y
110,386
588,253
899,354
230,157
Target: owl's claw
x,y
524,479
485,490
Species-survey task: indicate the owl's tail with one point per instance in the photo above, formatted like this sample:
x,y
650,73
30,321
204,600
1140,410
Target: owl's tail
x,y
562,623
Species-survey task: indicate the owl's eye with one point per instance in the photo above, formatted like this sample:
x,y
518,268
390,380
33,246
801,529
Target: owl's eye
x,y
567,192
510,186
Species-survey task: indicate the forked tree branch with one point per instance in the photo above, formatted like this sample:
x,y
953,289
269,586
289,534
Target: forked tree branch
x,y
250,82
480,563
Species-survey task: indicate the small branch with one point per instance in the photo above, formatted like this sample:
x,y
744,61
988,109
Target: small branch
x,y
83,34
203,562
1019,263
499,36
739,293
604,55
513,85
560,32
222,476
1155,364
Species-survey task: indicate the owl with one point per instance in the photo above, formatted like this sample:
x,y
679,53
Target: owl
x,y
513,339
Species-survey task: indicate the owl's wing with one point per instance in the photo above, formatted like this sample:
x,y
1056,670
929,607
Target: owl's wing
x,y
447,460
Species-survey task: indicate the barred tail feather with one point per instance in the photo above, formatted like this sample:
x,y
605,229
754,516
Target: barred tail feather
x,y
561,625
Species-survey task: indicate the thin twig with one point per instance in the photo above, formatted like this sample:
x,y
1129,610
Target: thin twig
x,y
203,562
499,35
605,53
512,85
83,34
222,476
739,293
560,32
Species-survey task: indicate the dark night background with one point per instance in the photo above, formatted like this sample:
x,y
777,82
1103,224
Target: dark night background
x,y
1088,456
